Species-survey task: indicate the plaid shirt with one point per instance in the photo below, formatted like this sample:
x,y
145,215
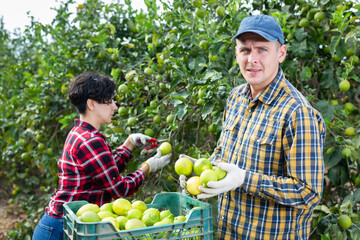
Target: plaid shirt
x,y
278,139
88,170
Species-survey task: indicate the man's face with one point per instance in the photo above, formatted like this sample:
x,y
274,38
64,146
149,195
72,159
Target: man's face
x,y
258,60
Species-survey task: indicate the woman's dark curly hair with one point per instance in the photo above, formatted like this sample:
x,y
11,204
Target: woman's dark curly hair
x,y
93,86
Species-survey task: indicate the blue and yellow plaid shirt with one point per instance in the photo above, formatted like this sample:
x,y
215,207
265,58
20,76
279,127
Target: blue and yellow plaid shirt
x,y
278,139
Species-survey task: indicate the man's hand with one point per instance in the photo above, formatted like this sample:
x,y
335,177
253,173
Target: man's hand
x,y
234,178
182,180
140,140
158,161
186,156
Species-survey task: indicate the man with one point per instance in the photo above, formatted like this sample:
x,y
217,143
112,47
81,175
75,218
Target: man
x,y
88,169
270,146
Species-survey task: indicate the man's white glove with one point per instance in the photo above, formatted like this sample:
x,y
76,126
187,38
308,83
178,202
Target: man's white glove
x,y
186,156
140,140
158,161
182,180
234,178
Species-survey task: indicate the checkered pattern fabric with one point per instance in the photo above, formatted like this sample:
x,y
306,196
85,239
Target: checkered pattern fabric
x,y
88,170
278,139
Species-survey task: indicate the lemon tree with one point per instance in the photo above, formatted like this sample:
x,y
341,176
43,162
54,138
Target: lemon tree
x,y
160,65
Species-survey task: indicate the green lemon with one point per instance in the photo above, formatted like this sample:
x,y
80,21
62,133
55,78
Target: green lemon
x,y
140,205
207,176
41,147
88,207
200,12
105,214
346,152
304,23
148,71
134,213
349,107
202,92
123,88
106,207
89,216
319,16
122,221
170,119
121,206
201,165
197,3
123,111
157,119
212,128
344,85
350,131
165,148
150,216
132,121
344,221
149,132
354,60
204,44
220,11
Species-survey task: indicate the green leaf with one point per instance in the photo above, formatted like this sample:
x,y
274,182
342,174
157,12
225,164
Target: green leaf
x,y
327,78
324,225
181,96
299,49
333,159
334,43
346,207
356,195
207,109
305,74
181,110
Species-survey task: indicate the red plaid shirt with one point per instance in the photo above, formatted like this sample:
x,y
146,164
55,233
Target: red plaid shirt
x,y
88,170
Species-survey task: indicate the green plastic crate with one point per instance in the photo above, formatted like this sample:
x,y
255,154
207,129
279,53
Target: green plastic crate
x,y
197,226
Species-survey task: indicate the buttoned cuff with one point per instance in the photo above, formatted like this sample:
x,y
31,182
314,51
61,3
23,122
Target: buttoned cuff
x,y
252,183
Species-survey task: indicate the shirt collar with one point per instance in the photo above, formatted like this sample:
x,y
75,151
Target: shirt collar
x,y
270,92
88,127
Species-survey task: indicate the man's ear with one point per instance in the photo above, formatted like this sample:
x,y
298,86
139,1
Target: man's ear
x,y
90,104
282,53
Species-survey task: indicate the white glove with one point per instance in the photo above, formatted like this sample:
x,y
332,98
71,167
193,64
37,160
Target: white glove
x,y
182,180
186,156
234,178
140,140
158,161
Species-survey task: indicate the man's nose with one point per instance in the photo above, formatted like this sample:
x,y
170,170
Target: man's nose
x,y
253,57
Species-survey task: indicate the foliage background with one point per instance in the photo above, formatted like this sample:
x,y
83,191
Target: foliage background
x,y
188,80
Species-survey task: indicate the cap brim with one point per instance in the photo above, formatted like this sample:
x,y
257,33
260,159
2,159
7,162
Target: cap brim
x,y
263,34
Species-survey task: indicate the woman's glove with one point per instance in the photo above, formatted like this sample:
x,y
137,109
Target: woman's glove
x,y
234,178
140,140
158,161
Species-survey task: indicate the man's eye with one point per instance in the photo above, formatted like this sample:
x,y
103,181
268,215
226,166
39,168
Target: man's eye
x,y
263,50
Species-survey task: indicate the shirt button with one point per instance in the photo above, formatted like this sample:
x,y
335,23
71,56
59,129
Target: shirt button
x,y
222,217
225,196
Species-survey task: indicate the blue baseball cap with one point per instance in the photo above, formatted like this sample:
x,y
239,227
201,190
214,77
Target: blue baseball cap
x,y
264,25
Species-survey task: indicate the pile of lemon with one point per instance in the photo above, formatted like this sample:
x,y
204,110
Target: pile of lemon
x,y
125,215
